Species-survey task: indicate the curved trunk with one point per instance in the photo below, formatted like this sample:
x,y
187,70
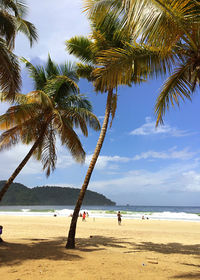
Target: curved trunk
x,y
22,164
72,231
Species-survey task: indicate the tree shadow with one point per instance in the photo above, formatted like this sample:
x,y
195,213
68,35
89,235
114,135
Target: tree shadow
x,y
187,276
95,241
38,249
54,249
169,248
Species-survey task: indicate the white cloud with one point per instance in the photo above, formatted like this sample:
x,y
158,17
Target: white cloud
x,y
149,129
55,22
192,181
107,161
10,159
170,154
174,178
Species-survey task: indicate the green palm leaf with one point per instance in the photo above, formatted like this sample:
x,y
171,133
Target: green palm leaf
x,y
28,29
10,79
80,46
175,88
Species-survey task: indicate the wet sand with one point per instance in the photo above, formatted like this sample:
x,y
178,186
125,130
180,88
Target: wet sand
x,y
34,249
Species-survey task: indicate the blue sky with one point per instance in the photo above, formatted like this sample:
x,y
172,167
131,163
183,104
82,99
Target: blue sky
x,y
138,165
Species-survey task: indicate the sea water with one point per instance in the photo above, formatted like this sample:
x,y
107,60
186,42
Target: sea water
x,y
182,213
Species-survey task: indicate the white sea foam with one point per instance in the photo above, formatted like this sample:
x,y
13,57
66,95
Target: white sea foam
x,y
26,210
165,215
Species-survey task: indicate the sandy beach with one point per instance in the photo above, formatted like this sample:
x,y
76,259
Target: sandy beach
x,y
34,248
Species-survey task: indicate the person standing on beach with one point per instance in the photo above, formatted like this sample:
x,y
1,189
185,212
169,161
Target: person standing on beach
x,y
119,218
84,216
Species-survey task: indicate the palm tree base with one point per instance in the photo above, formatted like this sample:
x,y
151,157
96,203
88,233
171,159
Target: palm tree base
x,y
70,244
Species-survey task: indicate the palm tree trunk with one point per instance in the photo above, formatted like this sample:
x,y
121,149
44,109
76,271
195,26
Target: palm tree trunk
x,y
22,164
72,231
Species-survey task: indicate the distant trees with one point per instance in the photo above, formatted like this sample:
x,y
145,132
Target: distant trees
x,y
19,194
12,21
55,107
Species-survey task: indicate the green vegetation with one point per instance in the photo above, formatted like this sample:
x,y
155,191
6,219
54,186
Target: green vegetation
x,y
18,194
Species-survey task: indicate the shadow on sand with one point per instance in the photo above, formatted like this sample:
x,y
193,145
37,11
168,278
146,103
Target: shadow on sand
x,y
37,249
169,248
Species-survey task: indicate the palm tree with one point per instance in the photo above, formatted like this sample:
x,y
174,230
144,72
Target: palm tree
x,y
104,38
54,108
12,21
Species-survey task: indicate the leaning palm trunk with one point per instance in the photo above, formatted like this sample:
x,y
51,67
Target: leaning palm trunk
x,y
21,165
72,231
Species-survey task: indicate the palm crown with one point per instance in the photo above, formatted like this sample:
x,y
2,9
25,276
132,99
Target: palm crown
x,y
55,108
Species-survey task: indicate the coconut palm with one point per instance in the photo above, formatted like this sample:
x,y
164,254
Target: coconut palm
x,y
12,21
104,38
54,108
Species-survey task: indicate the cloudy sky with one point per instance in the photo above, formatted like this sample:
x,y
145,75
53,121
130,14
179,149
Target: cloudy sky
x,y
138,165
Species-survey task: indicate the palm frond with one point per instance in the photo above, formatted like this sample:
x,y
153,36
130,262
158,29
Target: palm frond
x,y
19,97
17,115
59,87
69,69
113,107
10,79
41,98
76,101
80,47
71,140
19,8
48,156
22,8
177,87
28,29
85,71
36,73
51,68
79,117
7,28
99,9
9,138
133,63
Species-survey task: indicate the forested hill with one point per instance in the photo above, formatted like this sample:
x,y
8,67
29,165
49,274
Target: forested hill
x,y
18,194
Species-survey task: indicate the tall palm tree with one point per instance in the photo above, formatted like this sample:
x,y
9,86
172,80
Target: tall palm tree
x,y
12,21
54,108
104,37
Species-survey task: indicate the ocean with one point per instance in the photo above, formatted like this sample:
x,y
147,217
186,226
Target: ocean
x,y
181,213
